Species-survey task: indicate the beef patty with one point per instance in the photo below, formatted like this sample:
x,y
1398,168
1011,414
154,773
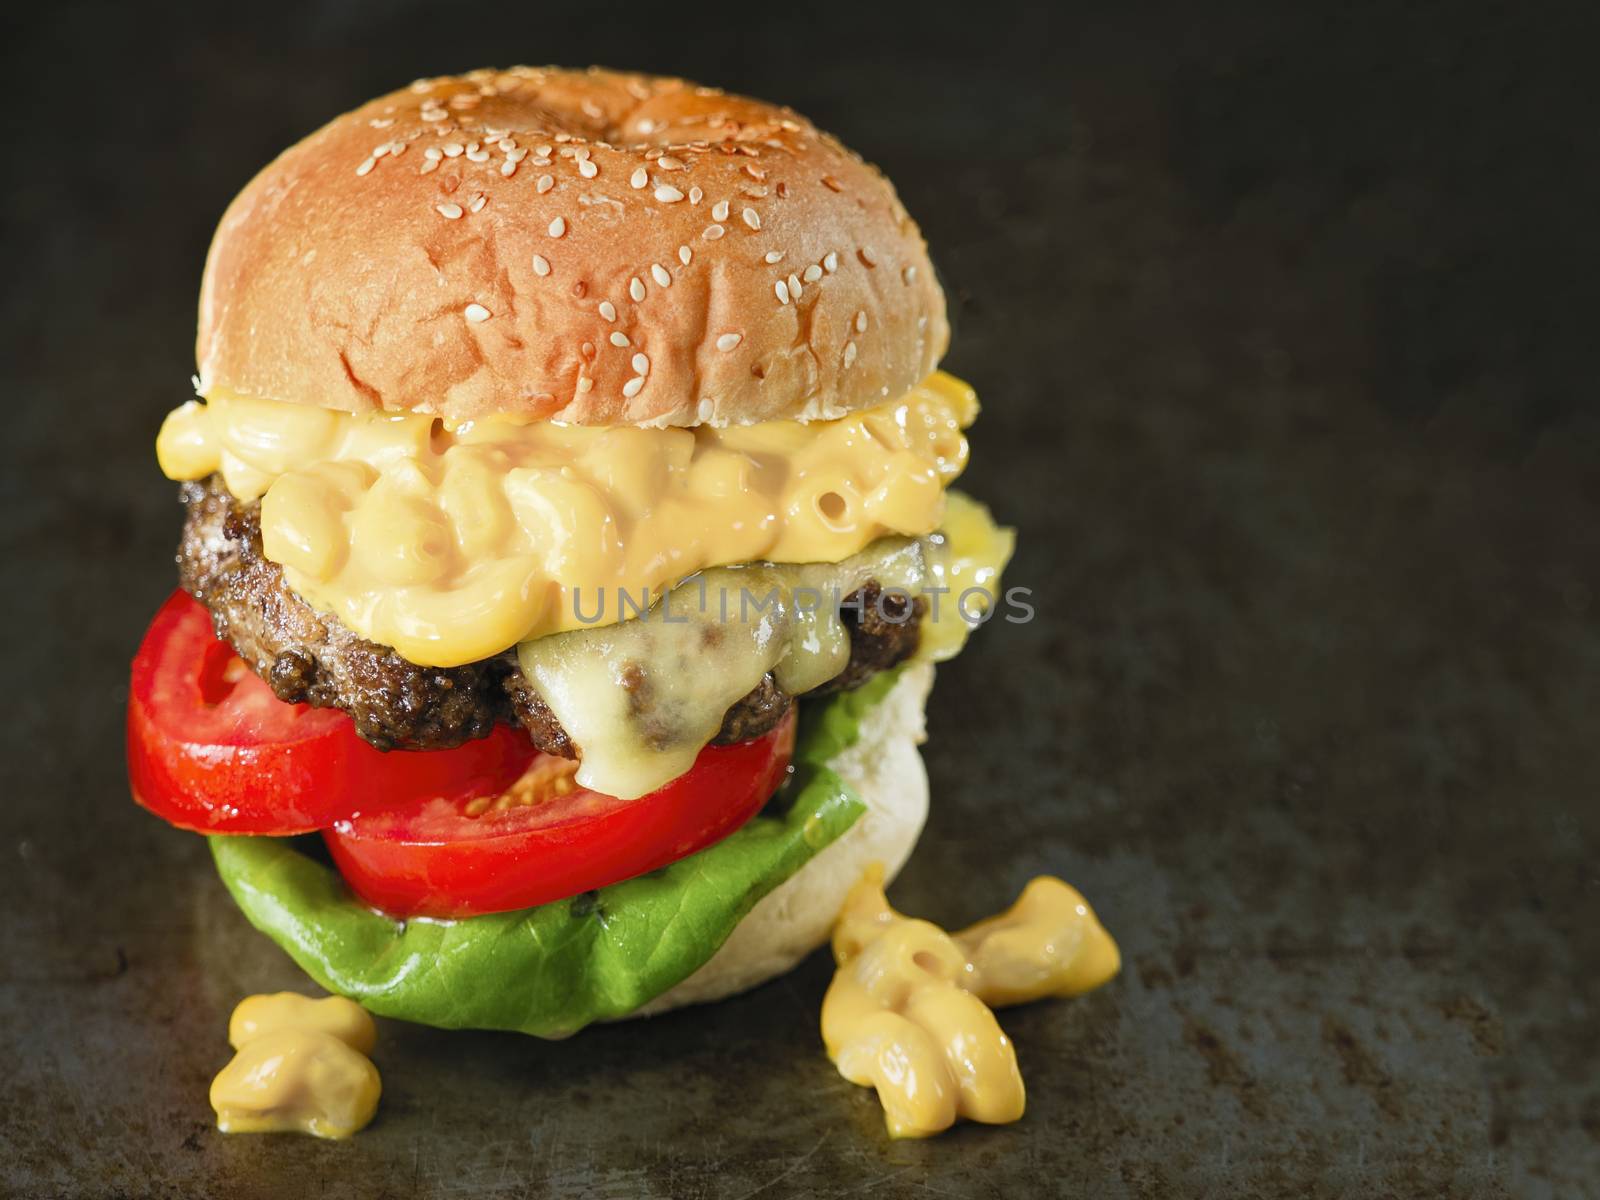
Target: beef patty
x,y
308,657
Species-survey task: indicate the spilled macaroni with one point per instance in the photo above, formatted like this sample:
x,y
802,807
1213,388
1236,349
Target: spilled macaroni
x,y
301,1067
909,1009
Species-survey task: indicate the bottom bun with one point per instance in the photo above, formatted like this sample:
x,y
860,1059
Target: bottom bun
x,y
885,770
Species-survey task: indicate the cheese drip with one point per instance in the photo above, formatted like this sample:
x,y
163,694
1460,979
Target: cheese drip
x,y
452,544
641,698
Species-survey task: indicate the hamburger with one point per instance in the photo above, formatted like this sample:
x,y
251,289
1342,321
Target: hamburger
x,y
568,546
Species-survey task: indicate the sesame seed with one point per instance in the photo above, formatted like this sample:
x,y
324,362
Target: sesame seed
x,y
558,227
477,155
380,150
794,287
668,163
659,274
754,172
541,265
861,322
773,256
453,150
584,384
909,274
719,211
866,256
696,195
434,153
509,167
832,184
830,262
668,194
542,151
366,165
639,178
608,310
849,353
450,212
477,202
728,341
476,313
587,169
684,255
781,289
641,364
428,165
620,339
632,387
516,154
544,185
813,273
751,219
636,289
713,232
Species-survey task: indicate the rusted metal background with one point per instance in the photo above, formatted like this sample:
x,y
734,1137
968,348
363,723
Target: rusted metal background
x,y
1283,324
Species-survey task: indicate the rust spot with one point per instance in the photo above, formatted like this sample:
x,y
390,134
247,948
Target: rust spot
x,y
1152,974
1589,1121
1361,1068
1487,1030
1223,1067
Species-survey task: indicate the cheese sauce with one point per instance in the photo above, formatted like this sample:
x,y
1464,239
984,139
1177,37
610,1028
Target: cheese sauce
x,y
909,1009
452,544
301,1067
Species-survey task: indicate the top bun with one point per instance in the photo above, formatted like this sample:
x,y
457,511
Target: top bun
x,y
581,246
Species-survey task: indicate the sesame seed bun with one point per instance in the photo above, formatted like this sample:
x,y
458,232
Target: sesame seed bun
x,y
581,246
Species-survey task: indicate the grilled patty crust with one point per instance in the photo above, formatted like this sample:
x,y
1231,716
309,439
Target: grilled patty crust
x,y
308,657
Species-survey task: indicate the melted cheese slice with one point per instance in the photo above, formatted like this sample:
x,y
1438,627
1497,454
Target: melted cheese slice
x,y
641,697
452,544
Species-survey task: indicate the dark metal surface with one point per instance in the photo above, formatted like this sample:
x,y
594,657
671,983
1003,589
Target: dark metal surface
x,y
1282,324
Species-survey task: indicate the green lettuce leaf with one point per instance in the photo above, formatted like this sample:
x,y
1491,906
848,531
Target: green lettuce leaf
x,y
551,970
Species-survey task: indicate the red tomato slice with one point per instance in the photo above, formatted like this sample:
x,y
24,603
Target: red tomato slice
x,y
546,838
210,748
